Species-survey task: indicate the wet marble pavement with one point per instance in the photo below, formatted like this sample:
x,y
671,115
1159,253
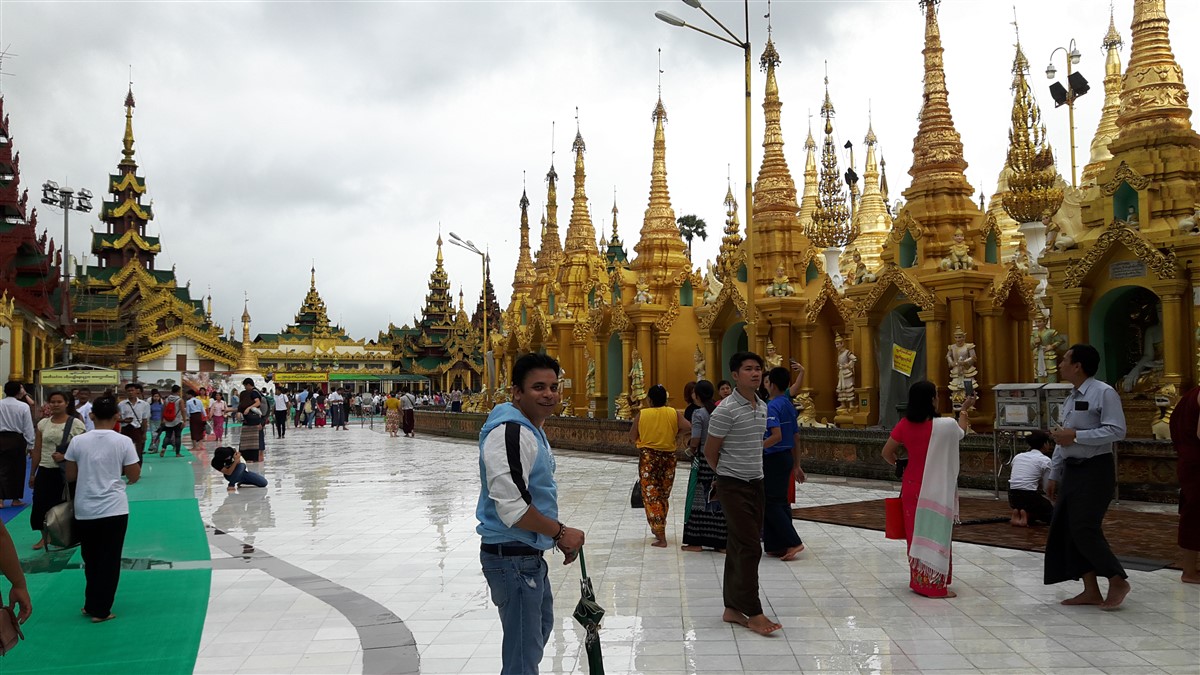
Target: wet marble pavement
x,y
393,521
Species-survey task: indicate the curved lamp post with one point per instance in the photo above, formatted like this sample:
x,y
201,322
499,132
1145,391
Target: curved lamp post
x,y
468,245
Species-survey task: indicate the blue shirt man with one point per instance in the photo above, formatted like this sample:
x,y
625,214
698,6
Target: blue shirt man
x,y
518,513
780,457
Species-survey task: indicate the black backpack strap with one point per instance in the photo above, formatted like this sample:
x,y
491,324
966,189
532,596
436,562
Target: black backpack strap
x,y
512,444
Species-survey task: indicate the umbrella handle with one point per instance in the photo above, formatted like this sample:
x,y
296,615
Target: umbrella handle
x,y
582,563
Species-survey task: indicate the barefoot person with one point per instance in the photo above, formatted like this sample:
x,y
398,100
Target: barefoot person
x,y
1185,434
16,440
1083,477
53,435
735,451
1030,470
704,522
96,461
518,513
781,455
654,432
929,487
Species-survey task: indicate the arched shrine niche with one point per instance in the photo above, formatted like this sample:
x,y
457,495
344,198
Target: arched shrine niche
x,y
1126,326
733,341
1126,206
901,331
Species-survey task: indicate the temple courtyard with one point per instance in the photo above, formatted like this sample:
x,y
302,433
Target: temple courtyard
x,y
365,559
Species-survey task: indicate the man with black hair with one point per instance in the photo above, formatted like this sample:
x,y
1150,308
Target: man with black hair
x,y
95,462
518,512
1090,421
1030,470
781,454
172,424
135,417
735,452
16,440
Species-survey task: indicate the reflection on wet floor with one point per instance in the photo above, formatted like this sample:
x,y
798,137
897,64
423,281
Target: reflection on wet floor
x,y
393,521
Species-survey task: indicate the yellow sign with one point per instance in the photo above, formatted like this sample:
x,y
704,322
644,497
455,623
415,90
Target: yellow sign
x,y
902,360
80,378
293,376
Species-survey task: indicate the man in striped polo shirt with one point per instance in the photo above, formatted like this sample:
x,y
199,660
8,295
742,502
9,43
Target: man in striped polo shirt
x,y
735,452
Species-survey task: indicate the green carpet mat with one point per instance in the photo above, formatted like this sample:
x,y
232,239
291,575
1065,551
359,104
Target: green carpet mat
x,y
160,616
168,477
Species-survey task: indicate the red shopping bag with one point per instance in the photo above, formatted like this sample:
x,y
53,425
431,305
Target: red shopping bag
x,y
893,527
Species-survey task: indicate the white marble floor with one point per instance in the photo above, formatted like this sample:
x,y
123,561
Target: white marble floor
x,y
393,520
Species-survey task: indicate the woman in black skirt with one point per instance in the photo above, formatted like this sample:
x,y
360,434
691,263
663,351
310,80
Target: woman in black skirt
x,y
704,522
50,442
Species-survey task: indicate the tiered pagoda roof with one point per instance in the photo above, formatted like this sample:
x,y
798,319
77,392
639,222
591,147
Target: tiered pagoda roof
x,y
27,262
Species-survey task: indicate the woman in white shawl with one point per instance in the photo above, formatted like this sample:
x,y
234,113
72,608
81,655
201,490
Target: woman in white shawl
x,y
929,488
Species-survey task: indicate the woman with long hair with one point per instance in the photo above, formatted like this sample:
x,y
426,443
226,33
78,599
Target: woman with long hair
x,y
217,410
51,438
704,521
688,391
654,432
929,487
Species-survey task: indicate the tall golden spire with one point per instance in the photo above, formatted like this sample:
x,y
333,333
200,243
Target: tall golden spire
x,y
660,246
248,359
872,219
831,226
1107,130
580,232
774,191
937,148
127,142
525,274
1154,98
1032,190
550,250
731,244
808,203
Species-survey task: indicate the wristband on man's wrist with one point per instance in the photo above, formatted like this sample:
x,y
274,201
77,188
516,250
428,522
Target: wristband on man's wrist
x,y
562,529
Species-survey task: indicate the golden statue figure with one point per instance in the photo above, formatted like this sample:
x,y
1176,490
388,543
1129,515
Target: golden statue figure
x,y
860,274
701,364
781,286
773,359
960,254
642,296
637,381
963,362
1047,346
846,360
1146,373
624,411
1131,218
1020,259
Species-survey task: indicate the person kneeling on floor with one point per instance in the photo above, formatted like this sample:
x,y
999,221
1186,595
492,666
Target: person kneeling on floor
x,y
1029,472
230,463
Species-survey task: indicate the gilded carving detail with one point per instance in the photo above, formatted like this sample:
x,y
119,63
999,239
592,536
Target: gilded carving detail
x,y
1161,264
894,276
1124,174
845,307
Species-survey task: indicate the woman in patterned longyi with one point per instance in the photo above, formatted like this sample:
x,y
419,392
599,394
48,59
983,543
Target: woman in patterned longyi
x,y
654,432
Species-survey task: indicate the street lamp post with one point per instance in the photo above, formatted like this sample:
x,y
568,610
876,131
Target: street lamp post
x,y
1076,86
68,200
744,45
468,245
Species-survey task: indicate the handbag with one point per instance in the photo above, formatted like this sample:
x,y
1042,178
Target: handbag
x,y
60,526
893,511
10,630
635,499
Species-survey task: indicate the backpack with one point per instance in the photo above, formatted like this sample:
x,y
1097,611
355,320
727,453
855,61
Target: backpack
x,y
171,410
308,407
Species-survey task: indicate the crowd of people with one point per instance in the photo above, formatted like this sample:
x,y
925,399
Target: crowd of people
x,y
745,452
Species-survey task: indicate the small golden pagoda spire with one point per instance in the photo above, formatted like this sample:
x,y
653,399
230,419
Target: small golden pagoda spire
x,y
208,310
831,225
580,232
248,359
731,244
872,219
937,148
1107,130
1154,99
883,186
615,240
127,142
525,274
1032,184
808,203
550,250
312,279
774,191
660,246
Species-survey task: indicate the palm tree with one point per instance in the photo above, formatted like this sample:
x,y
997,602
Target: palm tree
x,y
691,227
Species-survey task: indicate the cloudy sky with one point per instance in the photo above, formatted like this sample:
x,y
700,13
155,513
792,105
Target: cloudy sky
x,y
272,134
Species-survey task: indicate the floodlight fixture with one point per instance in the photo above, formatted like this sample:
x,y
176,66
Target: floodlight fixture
x,y
667,17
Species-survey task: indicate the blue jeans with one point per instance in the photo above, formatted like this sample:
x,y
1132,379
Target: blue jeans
x,y
520,589
243,476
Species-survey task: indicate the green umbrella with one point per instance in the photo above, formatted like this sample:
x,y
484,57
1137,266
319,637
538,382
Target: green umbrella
x,y
589,614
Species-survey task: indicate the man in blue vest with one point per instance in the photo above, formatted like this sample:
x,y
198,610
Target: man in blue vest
x,y
518,512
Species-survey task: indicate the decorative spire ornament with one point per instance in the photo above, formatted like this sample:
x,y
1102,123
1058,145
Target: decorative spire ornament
x,y
1107,129
831,225
1032,184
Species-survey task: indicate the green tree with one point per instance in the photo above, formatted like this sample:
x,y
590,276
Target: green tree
x,y
691,227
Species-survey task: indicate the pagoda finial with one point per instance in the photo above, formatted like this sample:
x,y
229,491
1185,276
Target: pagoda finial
x,y
660,243
937,148
615,238
525,274
808,202
580,232
127,142
440,259
728,258
1032,190
550,246
1107,130
774,191
872,218
1154,99
831,224
312,278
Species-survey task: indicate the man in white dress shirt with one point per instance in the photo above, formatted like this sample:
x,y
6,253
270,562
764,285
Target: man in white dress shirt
x,y
16,440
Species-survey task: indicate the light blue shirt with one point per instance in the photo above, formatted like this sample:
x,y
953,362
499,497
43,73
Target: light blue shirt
x,y
1094,411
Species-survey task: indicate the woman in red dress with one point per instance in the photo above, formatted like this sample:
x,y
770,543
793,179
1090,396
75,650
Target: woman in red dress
x,y
1185,434
930,485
